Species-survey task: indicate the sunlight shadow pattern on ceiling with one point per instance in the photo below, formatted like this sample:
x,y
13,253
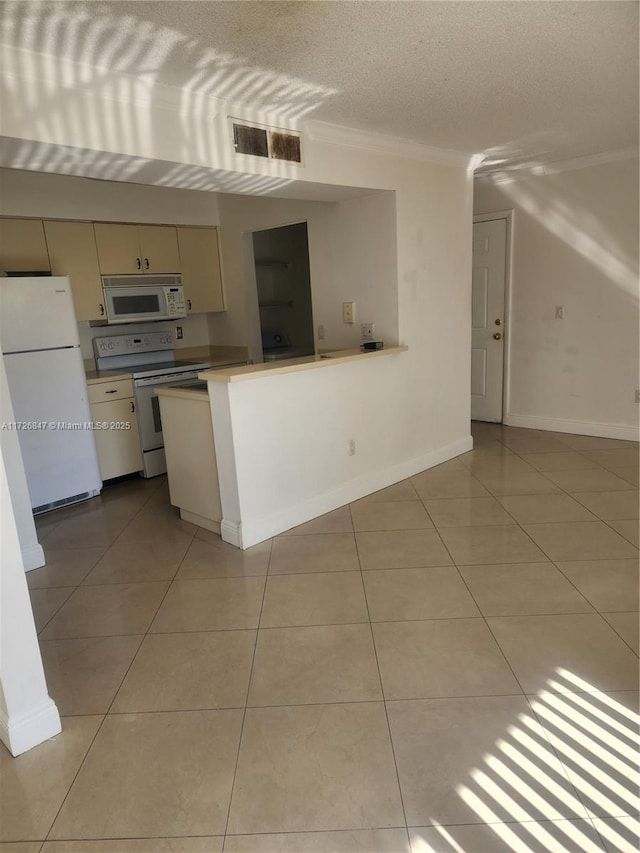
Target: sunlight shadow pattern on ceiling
x,y
94,77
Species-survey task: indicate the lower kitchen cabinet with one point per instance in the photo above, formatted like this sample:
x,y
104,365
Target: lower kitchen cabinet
x,y
113,412
192,470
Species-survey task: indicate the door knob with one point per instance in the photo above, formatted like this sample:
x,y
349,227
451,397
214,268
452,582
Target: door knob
x,y
497,336
498,322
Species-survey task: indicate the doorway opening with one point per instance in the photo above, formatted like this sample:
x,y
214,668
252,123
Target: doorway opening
x,y
284,291
490,316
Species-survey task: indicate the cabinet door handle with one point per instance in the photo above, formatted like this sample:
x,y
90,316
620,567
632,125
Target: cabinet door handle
x,y
114,391
133,406
139,263
146,263
189,304
101,307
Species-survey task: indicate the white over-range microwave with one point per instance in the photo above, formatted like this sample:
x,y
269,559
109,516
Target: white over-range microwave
x,y
143,298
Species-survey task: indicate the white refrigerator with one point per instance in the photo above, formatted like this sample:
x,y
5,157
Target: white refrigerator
x,y
45,372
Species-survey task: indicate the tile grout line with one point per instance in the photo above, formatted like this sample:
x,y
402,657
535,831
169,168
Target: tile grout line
x,y
371,624
382,693
246,701
547,741
517,680
104,717
107,549
483,617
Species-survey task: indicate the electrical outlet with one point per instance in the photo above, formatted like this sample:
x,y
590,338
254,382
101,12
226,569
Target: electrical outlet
x,y
349,312
559,312
178,333
366,330
320,333
637,395
352,447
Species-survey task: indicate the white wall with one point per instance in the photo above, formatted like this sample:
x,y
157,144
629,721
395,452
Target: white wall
x,y
282,442
575,244
352,257
355,260
46,196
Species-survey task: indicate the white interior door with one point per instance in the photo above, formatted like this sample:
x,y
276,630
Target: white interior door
x,y
487,319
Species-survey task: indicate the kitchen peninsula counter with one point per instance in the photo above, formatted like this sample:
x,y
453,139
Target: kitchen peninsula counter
x,y
303,441
294,365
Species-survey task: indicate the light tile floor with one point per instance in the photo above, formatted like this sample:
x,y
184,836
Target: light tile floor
x,y
447,665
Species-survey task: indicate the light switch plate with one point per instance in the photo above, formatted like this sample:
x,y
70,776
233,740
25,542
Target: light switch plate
x,y
349,312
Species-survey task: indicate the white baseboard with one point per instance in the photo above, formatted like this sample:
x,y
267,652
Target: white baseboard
x,y
27,730
258,529
200,520
626,433
232,533
33,558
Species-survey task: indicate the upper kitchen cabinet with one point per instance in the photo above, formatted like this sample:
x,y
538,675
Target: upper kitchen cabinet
x,y
23,247
200,263
135,249
72,252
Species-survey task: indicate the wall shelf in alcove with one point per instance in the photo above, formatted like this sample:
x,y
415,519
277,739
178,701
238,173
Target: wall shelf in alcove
x,y
276,304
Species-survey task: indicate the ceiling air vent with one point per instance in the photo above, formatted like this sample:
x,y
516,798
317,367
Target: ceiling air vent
x,y
284,146
250,140
267,142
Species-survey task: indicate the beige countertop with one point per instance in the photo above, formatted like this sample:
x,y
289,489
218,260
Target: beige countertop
x,y
293,365
95,376
218,356
200,394
215,354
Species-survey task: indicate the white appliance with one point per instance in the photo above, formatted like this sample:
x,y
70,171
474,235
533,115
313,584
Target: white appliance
x,y
45,371
150,358
140,298
276,346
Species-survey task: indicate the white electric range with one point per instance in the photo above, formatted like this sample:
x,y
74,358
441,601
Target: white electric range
x,y
151,359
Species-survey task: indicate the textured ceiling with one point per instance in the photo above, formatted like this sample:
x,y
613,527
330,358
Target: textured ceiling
x,y
517,81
